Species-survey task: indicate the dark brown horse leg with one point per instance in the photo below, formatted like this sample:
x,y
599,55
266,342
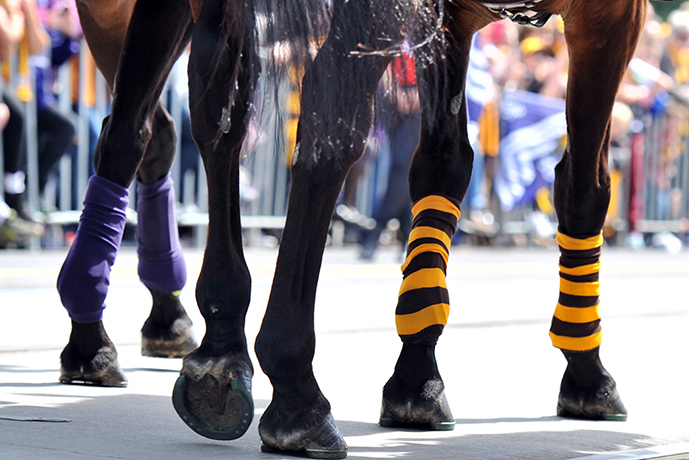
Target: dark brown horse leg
x,y
336,115
168,330
82,284
213,392
599,53
439,177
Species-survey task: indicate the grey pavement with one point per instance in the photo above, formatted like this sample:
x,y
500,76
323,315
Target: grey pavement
x,y
501,373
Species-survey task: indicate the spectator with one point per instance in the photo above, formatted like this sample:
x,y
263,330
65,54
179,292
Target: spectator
x,y
12,23
14,231
402,123
675,54
57,32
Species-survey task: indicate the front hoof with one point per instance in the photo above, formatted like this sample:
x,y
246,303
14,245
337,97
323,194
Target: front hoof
x,y
213,395
602,405
425,408
322,440
102,369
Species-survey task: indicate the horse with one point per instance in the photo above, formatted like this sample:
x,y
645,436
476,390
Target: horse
x,y
135,45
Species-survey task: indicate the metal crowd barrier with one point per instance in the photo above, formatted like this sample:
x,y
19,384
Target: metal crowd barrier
x,y
652,195
660,172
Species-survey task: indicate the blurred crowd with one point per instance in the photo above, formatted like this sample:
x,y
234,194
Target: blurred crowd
x,y
37,37
649,128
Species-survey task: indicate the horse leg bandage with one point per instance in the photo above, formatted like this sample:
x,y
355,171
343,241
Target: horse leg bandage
x,y
424,304
85,275
576,322
161,262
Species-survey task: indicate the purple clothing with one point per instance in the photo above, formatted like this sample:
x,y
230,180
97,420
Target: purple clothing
x,y
63,47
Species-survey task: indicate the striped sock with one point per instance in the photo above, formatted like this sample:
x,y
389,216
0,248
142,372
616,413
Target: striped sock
x,y
576,322
424,304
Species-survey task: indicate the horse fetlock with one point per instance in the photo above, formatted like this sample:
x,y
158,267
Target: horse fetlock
x,y
286,359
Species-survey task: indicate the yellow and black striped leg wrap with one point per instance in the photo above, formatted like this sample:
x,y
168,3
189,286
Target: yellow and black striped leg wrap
x,y
424,304
576,323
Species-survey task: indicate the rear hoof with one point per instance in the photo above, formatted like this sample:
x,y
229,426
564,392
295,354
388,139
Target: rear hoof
x,y
425,409
168,331
323,440
176,347
213,396
588,391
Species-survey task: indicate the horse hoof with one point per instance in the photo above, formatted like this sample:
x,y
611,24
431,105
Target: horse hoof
x,y
323,440
110,376
177,347
213,396
100,368
429,409
588,391
168,331
604,405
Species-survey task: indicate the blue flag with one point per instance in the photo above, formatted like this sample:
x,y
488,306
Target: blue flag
x,y
531,129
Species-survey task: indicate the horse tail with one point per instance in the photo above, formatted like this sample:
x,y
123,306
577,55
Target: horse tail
x,y
288,34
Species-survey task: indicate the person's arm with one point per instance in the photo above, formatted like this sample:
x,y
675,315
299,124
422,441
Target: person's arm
x,y
36,34
11,28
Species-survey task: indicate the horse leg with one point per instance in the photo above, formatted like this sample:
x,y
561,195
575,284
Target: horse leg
x,y
439,177
336,115
598,60
213,393
168,330
83,281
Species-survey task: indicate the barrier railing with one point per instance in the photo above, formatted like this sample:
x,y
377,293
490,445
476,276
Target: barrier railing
x,y
652,190
660,166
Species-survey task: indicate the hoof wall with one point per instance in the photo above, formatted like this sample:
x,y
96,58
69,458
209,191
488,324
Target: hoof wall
x,y
168,348
322,440
619,417
600,405
424,410
434,426
234,425
309,453
110,377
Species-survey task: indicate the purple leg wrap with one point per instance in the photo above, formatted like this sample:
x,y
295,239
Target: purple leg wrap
x,y
161,262
85,276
